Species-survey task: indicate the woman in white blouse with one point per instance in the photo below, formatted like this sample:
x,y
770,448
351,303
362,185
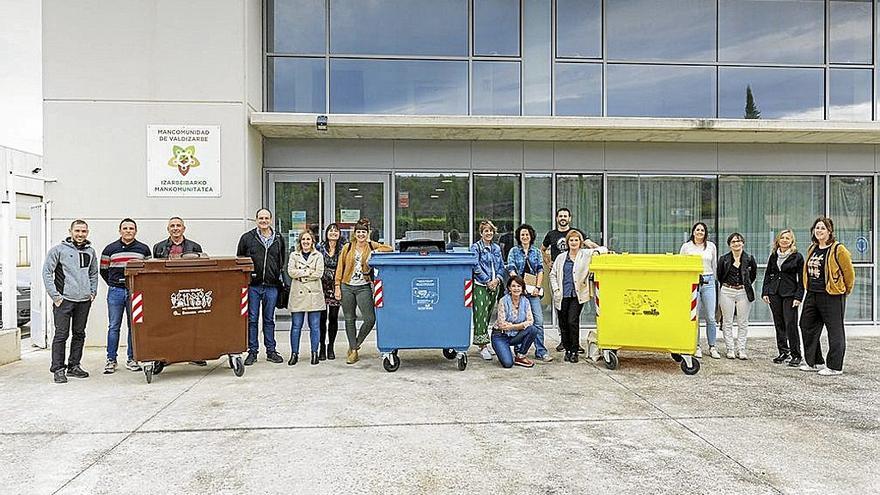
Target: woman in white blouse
x,y
699,244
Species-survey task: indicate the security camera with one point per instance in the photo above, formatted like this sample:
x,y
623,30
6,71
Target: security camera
x,y
321,123
37,170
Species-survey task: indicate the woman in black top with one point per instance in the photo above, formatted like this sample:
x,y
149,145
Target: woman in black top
x,y
329,317
737,271
784,291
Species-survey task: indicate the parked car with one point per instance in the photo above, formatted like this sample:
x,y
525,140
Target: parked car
x,y
24,305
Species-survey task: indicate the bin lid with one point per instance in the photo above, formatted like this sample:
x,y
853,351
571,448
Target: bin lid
x,y
422,245
647,262
216,263
412,258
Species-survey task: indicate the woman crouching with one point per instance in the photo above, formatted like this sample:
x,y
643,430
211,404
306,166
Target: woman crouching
x,y
515,326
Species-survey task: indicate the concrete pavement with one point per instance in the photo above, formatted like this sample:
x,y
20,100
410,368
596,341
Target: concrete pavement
x,y
736,427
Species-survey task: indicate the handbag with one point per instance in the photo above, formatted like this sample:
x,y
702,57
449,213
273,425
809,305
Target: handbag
x,y
283,297
531,280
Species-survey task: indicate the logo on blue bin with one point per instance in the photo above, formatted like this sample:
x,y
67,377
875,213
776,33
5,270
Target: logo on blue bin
x,y
425,293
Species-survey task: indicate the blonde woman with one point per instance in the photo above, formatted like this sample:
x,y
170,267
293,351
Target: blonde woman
x,y
488,274
784,291
353,287
569,281
306,266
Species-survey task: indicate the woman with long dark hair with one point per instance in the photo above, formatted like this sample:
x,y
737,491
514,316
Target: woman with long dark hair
x,y
698,243
829,277
525,261
330,316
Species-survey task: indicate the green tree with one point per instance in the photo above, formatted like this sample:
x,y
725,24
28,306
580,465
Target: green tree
x,y
752,111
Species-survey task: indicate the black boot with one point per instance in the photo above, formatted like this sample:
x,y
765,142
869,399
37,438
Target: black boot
x,y
294,357
781,358
330,354
315,358
322,352
574,356
567,357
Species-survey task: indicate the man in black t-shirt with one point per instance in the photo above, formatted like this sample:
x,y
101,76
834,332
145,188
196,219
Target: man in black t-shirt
x,y
554,244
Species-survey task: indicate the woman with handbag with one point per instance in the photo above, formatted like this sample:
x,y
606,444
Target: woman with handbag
x,y
783,290
737,271
525,261
306,266
330,316
487,279
353,286
569,280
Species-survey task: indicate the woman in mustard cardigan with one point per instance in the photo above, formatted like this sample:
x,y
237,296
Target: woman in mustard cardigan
x,y
353,286
828,278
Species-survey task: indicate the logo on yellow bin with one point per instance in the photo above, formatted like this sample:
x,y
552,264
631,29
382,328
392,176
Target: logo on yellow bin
x,y
184,159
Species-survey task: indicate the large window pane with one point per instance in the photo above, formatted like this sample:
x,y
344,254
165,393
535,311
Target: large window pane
x,y
782,31
433,202
432,87
777,93
298,84
496,27
661,91
858,304
578,89
496,88
579,28
399,27
539,214
760,206
655,214
497,197
850,94
669,30
851,31
852,210
297,26
582,194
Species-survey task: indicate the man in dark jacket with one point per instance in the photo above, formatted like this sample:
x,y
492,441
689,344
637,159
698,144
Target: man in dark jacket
x,y
267,250
70,275
176,244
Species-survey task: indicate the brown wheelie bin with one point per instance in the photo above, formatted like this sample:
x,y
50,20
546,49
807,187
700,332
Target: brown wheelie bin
x,y
188,309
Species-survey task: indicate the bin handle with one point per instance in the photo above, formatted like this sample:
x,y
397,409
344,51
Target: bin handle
x,y
193,262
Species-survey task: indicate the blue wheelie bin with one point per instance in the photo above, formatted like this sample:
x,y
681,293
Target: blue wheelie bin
x,y
422,296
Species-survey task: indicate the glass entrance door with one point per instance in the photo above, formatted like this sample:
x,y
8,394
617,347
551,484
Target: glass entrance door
x,y
311,201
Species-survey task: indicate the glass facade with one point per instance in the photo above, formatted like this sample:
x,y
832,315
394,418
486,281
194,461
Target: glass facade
x,y
792,59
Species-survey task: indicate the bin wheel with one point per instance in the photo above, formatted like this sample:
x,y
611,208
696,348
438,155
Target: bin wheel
x,y
462,362
391,363
231,363
677,357
611,360
693,369
449,353
158,366
237,365
148,372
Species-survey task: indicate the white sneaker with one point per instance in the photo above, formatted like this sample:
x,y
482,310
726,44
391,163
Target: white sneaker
x,y
742,355
485,353
110,367
699,353
830,372
731,355
491,350
713,352
807,367
132,365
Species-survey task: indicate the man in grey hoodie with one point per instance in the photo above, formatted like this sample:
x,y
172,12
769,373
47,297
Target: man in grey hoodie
x,y
70,275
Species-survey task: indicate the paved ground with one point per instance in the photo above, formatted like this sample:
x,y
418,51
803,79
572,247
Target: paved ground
x,y
736,427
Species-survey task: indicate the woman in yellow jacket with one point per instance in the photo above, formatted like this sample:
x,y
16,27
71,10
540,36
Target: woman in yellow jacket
x,y
353,286
828,278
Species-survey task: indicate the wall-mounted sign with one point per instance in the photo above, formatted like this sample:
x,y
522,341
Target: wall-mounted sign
x,y
183,160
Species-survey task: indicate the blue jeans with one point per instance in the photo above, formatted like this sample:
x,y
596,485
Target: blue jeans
x,y
117,305
522,340
265,296
538,315
297,319
706,307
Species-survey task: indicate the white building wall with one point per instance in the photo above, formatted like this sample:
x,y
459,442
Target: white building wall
x,y
112,68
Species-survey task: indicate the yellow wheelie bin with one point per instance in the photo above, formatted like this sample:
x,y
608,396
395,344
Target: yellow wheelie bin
x,y
647,302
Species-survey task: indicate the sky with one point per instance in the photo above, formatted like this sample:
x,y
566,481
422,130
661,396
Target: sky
x,y
21,96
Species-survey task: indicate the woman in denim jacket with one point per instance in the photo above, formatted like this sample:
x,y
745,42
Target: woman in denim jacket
x,y
515,327
525,258
487,279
